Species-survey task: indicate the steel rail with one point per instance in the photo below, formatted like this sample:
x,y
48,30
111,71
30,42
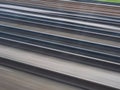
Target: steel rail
x,y
57,53
80,83
65,22
73,6
79,30
29,41
37,9
58,13
60,19
78,70
19,79
60,40
55,32
62,47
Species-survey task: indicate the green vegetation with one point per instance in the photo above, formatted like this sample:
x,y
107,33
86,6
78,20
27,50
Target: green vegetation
x,y
115,1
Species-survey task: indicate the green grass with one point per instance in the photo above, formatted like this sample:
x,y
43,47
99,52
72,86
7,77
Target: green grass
x,y
114,1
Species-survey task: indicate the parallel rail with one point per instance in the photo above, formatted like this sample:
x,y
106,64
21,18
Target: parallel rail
x,y
73,6
61,13
84,55
82,84
90,53
76,27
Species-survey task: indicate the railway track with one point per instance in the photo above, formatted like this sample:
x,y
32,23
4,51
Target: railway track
x,y
65,23
73,6
22,80
64,47
71,73
79,52
86,56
